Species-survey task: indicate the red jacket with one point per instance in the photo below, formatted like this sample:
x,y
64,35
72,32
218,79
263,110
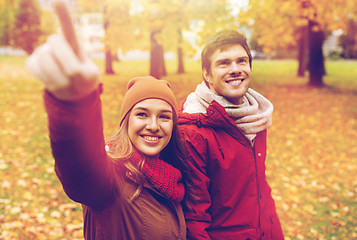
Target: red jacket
x,y
234,199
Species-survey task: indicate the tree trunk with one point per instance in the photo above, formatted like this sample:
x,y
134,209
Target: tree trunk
x,y
316,58
108,53
302,51
108,62
157,61
180,67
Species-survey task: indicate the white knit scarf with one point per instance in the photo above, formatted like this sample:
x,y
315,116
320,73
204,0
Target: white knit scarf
x,y
252,116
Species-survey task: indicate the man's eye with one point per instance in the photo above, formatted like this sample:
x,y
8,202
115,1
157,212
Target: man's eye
x,y
243,60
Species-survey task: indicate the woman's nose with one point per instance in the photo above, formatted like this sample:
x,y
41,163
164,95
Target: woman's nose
x,y
152,125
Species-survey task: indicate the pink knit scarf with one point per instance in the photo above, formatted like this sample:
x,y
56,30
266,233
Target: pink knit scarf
x,y
164,178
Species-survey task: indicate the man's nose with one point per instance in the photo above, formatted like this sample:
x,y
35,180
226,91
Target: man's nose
x,y
234,68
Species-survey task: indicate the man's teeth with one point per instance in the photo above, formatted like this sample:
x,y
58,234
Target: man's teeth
x,y
149,138
236,81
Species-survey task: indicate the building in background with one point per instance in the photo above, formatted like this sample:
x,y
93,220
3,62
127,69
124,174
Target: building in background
x,y
90,33
331,44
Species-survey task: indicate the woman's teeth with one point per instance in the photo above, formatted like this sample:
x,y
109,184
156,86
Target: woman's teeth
x,y
149,138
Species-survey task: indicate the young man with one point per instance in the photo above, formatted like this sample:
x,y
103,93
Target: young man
x,y
224,125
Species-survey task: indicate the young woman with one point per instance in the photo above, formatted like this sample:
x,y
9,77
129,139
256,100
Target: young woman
x,y
132,186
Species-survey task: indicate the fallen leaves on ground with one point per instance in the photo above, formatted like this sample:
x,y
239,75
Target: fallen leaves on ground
x,y
311,163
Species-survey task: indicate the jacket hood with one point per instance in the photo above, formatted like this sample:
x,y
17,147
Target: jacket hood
x,y
215,116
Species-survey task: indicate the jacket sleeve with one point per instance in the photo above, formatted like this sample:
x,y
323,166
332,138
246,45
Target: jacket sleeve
x,y
198,217
77,142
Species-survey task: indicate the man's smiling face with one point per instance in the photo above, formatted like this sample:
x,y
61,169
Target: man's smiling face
x,y
230,73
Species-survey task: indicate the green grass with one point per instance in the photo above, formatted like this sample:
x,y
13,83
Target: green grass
x,y
311,163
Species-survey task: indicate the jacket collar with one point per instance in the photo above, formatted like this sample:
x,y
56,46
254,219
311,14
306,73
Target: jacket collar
x,y
214,117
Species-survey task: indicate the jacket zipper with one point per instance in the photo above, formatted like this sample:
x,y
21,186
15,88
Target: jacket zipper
x,y
258,191
256,167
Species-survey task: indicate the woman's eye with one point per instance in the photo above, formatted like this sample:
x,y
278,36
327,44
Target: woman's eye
x,y
164,116
141,114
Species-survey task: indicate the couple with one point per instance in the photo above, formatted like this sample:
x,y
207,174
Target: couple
x,y
196,172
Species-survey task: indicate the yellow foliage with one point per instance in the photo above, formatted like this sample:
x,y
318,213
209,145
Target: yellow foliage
x,y
275,21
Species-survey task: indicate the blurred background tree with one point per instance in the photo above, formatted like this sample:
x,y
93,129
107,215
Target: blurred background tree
x,y
24,24
348,40
117,24
27,27
279,28
165,22
158,26
278,25
7,18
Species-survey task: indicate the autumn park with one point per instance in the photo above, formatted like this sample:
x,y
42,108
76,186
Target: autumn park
x,y
304,62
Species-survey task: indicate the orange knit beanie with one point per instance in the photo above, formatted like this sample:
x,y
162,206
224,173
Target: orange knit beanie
x,y
141,88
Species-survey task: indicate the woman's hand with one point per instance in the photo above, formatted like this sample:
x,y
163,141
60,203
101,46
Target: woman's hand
x,y
62,65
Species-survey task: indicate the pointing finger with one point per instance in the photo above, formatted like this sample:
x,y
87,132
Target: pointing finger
x,y
66,25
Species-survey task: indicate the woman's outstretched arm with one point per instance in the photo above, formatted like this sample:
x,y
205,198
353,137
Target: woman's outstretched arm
x,y
72,101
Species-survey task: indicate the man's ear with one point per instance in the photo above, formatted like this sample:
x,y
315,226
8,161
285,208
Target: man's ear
x,y
206,75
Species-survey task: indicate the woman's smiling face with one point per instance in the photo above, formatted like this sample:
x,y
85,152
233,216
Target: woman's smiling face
x,y
150,126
